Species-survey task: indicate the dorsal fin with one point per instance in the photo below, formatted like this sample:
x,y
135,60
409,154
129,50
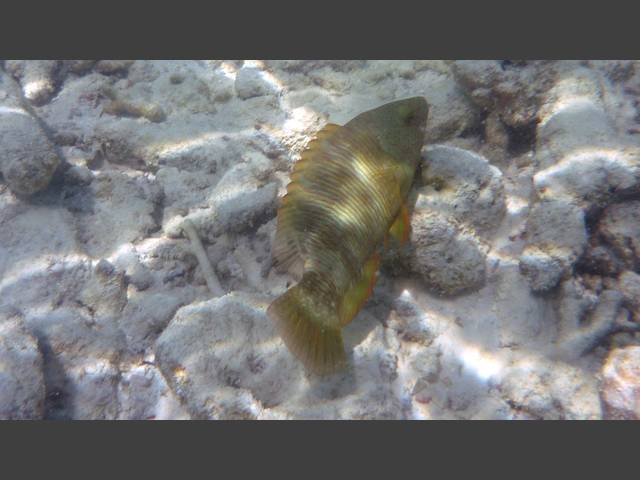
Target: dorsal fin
x,y
314,145
286,251
326,131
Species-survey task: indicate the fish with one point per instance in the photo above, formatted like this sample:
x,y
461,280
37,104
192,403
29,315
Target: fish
x,y
346,198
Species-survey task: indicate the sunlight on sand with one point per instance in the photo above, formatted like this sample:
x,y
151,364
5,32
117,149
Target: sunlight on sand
x,y
12,110
169,149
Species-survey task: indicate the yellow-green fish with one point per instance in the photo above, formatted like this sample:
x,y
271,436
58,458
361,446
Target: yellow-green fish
x,y
347,193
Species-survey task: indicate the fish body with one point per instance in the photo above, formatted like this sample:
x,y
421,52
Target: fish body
x,y
346,195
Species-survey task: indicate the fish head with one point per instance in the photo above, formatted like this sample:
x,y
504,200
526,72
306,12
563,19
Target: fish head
x,y
399,127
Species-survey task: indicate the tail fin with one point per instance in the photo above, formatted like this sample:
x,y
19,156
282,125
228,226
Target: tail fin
x,y
306,316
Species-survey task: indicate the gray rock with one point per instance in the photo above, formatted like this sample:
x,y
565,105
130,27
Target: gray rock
x,y
247,212
600,260
38,255
408,321
448,259
523,318
112,67
80,364
579,153
629,285
175,181
621,384
591,176
146,315
28,159
577,337
574,304
250,82
235,211
619,227
450,110
513,92
78,175
542,271
224,359
79,66
21,380
104,293
143,394
556,237
37,77
572,116
140,277
615,70
119,209
464,186
552,391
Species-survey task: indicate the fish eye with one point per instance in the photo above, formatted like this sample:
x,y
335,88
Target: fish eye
x,y
411,118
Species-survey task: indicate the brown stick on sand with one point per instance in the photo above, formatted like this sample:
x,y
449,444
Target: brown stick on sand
x,y
209,275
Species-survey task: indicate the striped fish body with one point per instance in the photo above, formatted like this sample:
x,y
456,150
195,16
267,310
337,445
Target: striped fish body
x,y
346,193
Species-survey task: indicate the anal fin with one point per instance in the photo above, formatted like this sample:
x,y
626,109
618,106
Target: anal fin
x,y
360,291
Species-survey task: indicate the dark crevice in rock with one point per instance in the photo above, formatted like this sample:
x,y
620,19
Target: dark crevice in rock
x,y
477,129
157,214
521,139
509,64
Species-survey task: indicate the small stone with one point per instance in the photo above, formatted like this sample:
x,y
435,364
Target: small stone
x,y
464,186
556,237
113,67
552,391
621,384
243,211
28,158
78,175
37,77
147,314
446,258
21,379
591,176
541,270
140,277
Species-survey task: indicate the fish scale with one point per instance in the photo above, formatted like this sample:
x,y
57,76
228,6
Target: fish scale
x,y
346,195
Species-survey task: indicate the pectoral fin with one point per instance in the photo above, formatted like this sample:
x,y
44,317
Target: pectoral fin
x,y
401,227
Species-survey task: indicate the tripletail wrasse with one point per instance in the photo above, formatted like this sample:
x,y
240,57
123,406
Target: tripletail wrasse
x,y
346,197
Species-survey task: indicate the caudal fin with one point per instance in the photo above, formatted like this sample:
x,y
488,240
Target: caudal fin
x,y
309,326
